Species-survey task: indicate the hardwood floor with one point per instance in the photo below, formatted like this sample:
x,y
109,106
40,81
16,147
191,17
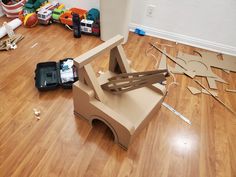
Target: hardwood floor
x,y
60,144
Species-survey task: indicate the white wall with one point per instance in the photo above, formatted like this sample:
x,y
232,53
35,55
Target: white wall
x,y
84,4
209,24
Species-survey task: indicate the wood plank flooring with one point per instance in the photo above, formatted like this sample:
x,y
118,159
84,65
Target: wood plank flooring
x,y
60,144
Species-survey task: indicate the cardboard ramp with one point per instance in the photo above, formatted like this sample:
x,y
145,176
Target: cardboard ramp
x,y
125,114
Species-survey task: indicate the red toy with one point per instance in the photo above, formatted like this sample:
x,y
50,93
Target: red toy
x,y
30,20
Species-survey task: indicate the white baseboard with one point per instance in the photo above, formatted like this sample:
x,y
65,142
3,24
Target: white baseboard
x,y
196,42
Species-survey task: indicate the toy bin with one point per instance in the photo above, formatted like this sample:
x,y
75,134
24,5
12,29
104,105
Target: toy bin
x,y
12,10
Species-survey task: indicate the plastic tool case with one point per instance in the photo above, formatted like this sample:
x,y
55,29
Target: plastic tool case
x,y
51,75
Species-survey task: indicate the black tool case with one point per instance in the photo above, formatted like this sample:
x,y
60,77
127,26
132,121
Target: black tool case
x,y
48,75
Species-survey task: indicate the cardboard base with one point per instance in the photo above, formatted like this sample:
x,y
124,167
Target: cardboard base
x,y
124,114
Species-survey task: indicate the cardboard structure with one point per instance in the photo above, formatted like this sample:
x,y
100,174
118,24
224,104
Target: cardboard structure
x,y
130,81
125,114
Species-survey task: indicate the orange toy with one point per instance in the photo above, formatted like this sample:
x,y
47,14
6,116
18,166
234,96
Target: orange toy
x,y
66,18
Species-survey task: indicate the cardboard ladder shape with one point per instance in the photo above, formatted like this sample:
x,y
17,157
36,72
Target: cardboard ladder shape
x,y
125,114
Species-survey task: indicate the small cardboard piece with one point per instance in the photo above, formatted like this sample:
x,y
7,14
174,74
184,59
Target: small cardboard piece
x,y
230,90
211,83
194,90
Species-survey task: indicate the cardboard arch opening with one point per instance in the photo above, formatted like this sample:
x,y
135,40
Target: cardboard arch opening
x,y
98,119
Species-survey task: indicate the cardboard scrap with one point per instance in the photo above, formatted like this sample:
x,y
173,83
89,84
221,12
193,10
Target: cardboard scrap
x,y
212,83
228,63
194,90
200,65
230,90
195,64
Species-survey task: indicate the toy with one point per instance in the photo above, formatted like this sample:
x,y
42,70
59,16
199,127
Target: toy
x,y
96,29
56,13
30,20
93,14
80,12
125,114
89,27
140,32
33,5
45,13
66,18
86,26
49,6
44,17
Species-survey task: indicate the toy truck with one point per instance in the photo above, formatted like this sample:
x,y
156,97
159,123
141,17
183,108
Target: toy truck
x,y
45,13
44,16
32,5
86,26
56,13
66,18
90,27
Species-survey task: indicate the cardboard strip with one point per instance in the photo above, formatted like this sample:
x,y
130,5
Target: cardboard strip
x,y
163,64
230,90
212,92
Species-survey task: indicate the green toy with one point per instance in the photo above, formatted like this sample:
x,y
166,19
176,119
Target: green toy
x,y
32,5
93,14
57,13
